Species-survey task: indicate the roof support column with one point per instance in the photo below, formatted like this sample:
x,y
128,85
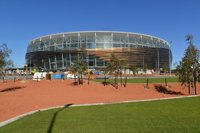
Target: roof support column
x,y
158,58
30,65
49,63
70,59
62,62
55,64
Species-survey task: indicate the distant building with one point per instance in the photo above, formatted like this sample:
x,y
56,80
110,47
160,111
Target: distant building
x,y
59,51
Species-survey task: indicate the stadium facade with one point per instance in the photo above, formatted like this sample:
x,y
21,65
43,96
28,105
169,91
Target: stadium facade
x,y
59,51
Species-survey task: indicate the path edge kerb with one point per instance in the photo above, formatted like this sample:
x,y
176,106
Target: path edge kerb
x,y
93,104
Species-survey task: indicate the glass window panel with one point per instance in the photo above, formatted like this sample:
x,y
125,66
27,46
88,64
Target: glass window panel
x,y
108,45
144,40
115,45
100,62
138,41
82,38
90,38
91,45
59,57
124,45
132,46
59,40
116,39
52,59
74,39
107,38
52,48
66,39
53,41
132,39
91,63
83,45
59,47
100,38
74,45
100,45
66,46
124,39
103,38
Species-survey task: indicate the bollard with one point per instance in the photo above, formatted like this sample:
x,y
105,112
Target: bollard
x,y
125,81
166,82
37,78
88,80
147,84
14,79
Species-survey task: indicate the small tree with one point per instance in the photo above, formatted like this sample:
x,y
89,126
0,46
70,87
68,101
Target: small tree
x,y
115,66
74,70
78,67
4,58
188,69
145,68
133,69
105,71
121,69
125,68
165,68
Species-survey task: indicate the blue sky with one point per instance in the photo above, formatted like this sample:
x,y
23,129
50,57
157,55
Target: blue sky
x,y
172,20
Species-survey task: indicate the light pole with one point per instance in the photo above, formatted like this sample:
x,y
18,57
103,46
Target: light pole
x,y
26,65
170,58
30,64
143,62
158,58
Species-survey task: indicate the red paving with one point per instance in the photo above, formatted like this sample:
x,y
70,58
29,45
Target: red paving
x,y
31,95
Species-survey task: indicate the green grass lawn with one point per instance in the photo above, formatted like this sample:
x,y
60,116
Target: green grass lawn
x,y
144,80
167,116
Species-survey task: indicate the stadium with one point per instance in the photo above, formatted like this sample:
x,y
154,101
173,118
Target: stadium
x,y
59,51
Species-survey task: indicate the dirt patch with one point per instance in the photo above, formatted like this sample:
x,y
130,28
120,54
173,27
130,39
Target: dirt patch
x,y
21,97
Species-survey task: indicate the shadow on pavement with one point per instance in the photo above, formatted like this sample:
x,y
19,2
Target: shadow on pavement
x,y
163,89
9,89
